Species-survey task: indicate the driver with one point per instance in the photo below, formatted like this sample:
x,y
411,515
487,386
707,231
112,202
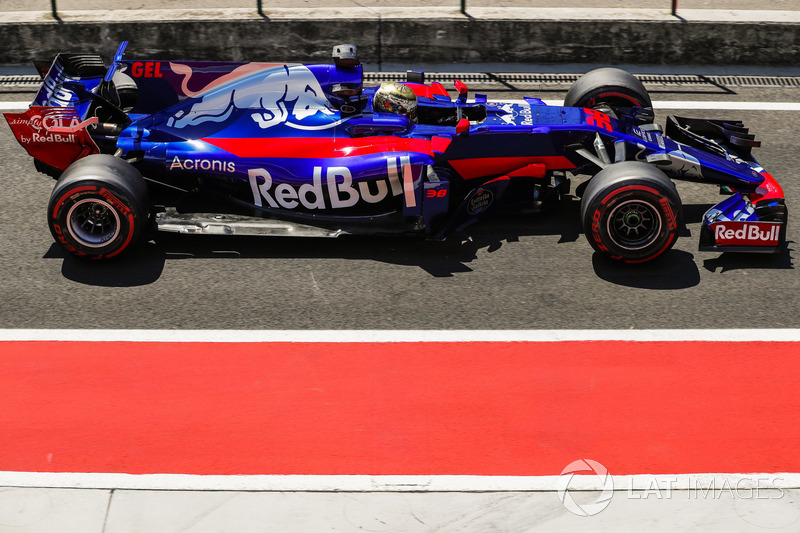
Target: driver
x,y
396,98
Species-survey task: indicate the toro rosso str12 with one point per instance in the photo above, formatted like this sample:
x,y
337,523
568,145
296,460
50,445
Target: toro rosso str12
x,y
307,150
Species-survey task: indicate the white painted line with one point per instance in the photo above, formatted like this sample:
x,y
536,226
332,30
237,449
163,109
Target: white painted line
x,y
698,104
737,106
364,483
558,335
14,106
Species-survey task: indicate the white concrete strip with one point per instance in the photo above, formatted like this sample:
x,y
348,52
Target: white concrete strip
x,y
626,14
532,512
357,483
389,13
560,335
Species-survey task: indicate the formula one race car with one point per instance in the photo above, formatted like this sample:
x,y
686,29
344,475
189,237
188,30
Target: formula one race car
x,y
307,150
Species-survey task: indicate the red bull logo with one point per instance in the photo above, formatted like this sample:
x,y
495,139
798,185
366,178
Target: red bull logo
x,y
747,233
337,190
54,135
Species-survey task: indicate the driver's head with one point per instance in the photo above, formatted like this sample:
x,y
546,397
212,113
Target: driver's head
x,y
396,98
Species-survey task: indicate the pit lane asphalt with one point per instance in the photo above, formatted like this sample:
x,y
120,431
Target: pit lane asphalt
x,y
516,271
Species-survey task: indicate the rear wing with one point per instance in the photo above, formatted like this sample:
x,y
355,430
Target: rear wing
x,y
84,69
53,135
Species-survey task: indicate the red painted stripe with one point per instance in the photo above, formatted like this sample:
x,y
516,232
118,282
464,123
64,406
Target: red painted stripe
x,y
440,144
427,91
488,166
517,408
318,147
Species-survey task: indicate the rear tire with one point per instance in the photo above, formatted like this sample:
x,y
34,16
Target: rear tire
x,y
631,212
99,207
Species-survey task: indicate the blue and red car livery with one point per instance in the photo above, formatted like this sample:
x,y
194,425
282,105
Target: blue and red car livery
x,y
299,150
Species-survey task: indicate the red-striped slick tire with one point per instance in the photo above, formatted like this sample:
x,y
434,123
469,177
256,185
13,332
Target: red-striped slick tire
x,y
610,87
631,212
98,208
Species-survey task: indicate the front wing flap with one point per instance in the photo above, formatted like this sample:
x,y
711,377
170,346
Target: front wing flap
x,y
738,225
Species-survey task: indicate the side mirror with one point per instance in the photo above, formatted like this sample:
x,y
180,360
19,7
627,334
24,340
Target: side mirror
x,y
462,126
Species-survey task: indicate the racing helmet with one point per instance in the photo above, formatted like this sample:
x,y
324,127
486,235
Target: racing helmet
x,y
396,98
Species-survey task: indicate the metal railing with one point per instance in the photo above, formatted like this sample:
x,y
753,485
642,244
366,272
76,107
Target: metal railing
x,y
260,8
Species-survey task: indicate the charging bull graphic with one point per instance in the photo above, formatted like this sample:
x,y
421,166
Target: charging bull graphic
x,y
187,72
289,94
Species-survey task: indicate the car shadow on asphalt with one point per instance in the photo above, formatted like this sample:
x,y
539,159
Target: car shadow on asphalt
x,y
730,261
441,259
142,266
145,264
675,270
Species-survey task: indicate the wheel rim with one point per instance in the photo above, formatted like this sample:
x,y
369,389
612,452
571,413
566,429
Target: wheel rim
x,y
634,224
93,222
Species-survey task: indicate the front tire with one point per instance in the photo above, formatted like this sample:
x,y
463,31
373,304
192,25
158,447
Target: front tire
x,y
631,212
99,207
608,87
